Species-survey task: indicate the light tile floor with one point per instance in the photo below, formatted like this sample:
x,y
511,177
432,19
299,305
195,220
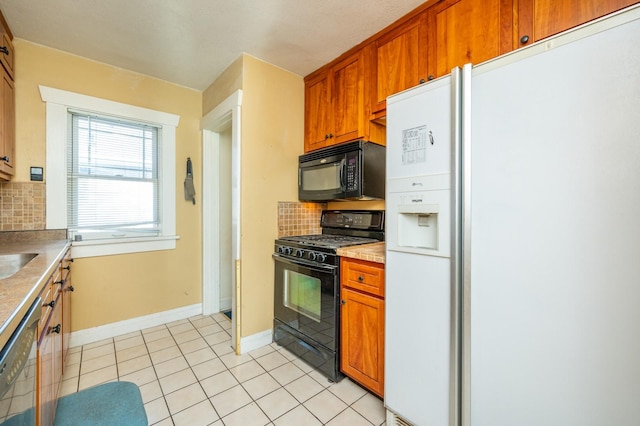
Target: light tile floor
x,y
188,375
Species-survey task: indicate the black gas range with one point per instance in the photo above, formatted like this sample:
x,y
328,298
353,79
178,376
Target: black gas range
x,y
340,228
307,285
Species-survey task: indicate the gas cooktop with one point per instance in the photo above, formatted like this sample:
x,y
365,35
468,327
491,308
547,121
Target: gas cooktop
x,y
328,240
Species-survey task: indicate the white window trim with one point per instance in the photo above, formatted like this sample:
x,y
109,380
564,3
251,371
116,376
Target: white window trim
x,y
58,103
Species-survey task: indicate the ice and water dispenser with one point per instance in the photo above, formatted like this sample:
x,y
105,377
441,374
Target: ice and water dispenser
x,y
419,209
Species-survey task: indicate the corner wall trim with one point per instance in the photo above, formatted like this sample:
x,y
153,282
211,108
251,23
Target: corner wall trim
x,y
255,341
95,334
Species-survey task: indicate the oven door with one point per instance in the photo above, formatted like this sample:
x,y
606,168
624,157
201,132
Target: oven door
x,y
306,299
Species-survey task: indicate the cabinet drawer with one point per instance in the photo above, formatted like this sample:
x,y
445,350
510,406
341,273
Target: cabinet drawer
x,y
47,298
363,275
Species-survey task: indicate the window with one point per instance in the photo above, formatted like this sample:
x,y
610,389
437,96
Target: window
x,y
112,178
110,173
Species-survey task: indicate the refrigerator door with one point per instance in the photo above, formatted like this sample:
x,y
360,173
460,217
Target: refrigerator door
x,y
419,130
554,212
419,308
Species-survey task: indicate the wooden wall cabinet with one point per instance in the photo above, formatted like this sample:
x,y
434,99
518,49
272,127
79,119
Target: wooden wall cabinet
x,y
7,103
467,31
362,323
399,61
539,19
336,107
53,342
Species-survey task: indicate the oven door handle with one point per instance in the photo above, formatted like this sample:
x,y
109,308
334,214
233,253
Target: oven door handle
x,y
302,262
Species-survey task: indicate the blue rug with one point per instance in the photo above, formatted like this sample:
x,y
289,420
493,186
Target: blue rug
x,y
109,404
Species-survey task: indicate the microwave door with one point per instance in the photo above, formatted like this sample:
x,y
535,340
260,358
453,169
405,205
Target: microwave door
x,y
321,182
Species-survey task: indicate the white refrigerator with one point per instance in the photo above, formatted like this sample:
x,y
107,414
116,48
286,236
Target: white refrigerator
x,y
513,237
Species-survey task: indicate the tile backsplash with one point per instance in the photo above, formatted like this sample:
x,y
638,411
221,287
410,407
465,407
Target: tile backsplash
x,y
22,206
296,218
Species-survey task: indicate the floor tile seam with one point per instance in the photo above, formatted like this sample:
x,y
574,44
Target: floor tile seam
x,y
82,352
166,406
275,390
345,409
206,398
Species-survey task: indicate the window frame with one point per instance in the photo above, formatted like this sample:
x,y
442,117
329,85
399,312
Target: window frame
x,y
58,102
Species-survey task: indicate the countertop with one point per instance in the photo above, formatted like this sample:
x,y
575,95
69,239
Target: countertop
x,y
18,291
373,252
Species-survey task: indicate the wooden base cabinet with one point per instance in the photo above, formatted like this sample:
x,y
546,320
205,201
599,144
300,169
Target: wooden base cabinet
x,y
362,323
7,103
53,333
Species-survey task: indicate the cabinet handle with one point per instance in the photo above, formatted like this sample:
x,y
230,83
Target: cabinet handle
x,y
343,302
70,288
71,260
4,50
68,268
326,136
430,78
50,304
330,135
524,39
61,282
360,278
422,81
56,329
5,159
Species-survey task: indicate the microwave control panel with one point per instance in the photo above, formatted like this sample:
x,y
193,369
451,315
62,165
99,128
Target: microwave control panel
x,y
352,173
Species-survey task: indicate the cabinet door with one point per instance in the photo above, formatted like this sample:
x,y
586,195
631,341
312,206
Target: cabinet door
x,y
6,54
362,339
467,31
539,19
347,98
44,398
399,61
7,126
316,111
49,367
56,338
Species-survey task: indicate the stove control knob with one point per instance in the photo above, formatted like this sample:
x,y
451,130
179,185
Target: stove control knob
x,y
312,255
298,253
321,257
286,250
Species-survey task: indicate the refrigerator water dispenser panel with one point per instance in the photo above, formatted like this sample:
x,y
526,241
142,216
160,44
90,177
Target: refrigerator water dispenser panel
x,y
418,229
419,210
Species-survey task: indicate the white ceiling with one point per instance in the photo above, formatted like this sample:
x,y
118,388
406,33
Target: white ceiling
x,y
191,42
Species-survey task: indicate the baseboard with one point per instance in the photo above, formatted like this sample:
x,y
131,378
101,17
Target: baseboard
x,y
95,334
225,304
255,341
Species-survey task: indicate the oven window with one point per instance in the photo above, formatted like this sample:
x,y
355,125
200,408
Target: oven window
x,y
326,177
302,294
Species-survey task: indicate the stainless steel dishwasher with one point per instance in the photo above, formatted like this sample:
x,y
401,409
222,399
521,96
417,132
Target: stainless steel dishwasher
x,y
18,371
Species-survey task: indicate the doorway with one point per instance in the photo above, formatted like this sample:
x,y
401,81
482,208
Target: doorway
x,y
221,212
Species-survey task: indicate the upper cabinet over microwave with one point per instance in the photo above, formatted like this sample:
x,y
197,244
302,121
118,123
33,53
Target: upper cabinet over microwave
x,y
350,171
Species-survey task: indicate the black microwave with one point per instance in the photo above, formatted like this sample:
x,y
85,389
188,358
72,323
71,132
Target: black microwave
x,y
350,171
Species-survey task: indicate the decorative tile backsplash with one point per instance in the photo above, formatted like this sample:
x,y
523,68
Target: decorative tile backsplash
x,y
295,218
22,206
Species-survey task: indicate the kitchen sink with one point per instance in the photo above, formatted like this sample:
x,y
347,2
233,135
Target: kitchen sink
x,y
12,263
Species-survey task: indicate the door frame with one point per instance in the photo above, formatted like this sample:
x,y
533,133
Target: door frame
x,y
224,115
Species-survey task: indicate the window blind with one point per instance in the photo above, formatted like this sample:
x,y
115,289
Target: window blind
x,y
112,179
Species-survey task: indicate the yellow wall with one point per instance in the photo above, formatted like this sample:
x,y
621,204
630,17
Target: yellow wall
x,y
272,139
228,83
116,288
